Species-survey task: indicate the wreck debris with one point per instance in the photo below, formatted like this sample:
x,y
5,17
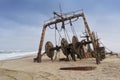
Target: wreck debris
x,y
86,48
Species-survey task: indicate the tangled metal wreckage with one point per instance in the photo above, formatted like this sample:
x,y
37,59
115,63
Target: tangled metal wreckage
x,y
89,47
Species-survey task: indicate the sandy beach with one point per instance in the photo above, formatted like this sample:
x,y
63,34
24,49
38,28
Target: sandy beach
x,y
26,69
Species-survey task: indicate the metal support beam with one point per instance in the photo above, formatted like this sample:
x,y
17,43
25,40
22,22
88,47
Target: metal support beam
x,y
38,59
64,19
92,39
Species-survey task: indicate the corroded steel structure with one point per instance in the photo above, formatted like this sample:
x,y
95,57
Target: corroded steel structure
x,y
62,19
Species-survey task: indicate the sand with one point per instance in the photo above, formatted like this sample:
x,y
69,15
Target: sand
x,y
26,69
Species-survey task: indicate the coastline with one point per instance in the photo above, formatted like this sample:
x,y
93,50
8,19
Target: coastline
x,y
25,69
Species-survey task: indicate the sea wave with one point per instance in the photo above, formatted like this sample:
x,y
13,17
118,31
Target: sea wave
x,y
6,55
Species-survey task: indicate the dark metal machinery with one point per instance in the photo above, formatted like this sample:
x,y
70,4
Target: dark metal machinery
x,y
64,44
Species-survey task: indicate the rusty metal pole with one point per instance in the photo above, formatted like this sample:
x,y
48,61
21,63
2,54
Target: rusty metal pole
x,y
92,39
41,44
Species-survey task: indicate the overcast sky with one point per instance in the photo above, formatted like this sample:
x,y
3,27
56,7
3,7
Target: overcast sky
x,y
21,21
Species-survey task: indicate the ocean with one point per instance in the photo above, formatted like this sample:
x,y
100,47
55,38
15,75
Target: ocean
x,y
7,55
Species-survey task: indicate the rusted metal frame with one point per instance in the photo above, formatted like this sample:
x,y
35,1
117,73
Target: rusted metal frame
x,y
38,59
64,19
92,39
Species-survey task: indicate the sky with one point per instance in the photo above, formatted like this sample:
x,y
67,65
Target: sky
x,y
21,21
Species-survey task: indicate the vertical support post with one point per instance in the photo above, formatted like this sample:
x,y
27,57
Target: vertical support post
x,y
92,39
38,59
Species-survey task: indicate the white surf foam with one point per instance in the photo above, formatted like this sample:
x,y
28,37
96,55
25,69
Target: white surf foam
x,y
6,55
